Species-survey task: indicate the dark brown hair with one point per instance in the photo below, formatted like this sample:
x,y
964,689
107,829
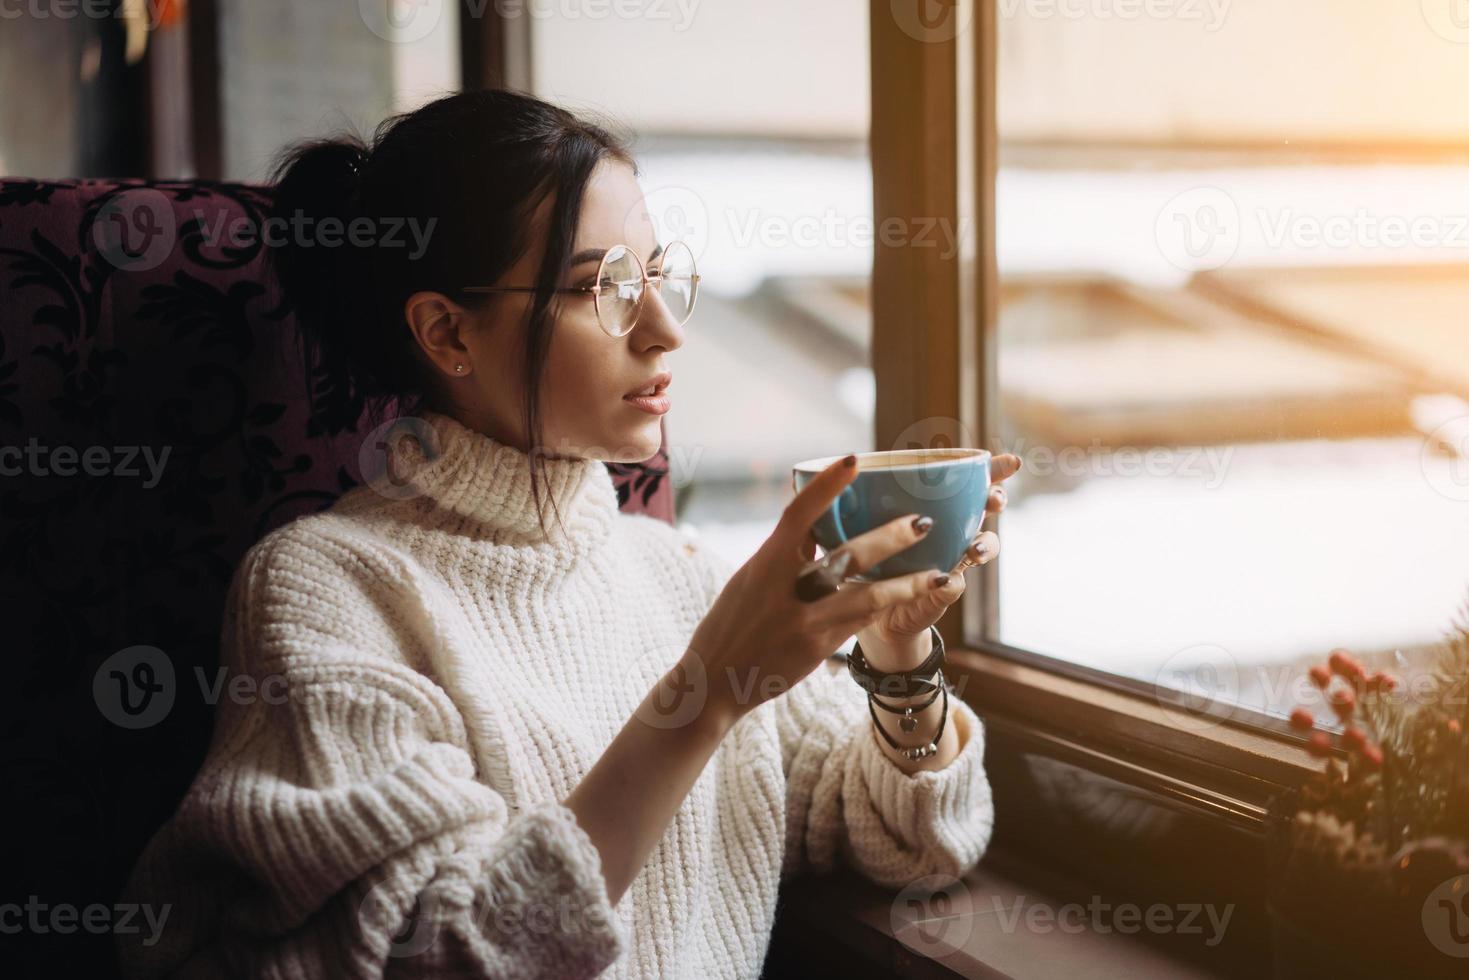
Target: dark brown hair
x,y
472,169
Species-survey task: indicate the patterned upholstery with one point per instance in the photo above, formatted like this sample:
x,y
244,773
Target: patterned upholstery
x,y
133,324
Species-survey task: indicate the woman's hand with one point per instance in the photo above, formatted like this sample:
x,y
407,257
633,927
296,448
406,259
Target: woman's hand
x,y
898,638
758,639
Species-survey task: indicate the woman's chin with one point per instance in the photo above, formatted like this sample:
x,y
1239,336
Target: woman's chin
x,y
632,445
640,442
638,451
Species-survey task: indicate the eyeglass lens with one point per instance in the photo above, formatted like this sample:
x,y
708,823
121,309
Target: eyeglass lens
x,y
619,300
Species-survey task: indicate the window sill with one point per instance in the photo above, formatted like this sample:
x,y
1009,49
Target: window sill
x,y
1212,765
845,920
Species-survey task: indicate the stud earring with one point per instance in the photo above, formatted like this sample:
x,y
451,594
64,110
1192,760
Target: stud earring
x,y
459,368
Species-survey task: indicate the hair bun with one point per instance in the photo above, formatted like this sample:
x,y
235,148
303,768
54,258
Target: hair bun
x,y
316,182
356,161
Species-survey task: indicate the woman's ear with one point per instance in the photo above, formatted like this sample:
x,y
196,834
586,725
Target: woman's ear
x,y
436,321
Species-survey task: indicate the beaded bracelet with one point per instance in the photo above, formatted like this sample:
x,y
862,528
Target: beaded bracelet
x,y
927,676
921,751
908,722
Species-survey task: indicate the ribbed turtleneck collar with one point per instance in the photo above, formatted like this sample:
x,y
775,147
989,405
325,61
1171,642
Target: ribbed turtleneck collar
x,y
488,483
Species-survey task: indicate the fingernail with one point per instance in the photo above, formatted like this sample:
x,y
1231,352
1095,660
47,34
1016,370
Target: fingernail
x,y
921,525
849,460
980,548
940,581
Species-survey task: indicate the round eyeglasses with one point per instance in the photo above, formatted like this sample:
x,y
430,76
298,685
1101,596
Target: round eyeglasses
x,y
621,286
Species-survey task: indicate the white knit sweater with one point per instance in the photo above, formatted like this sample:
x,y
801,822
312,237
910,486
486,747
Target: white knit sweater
x,y
437,674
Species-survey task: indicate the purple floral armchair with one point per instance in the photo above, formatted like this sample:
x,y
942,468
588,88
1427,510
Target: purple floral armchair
x,y
155,421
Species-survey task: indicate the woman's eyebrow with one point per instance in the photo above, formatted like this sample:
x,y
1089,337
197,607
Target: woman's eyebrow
x,y
595,255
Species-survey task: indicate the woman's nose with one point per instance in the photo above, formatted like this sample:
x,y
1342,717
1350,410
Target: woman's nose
x,y
656,326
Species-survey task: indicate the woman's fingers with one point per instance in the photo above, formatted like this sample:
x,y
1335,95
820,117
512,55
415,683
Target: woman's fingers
x,y
981,551
858,602
812,501
998,499
1003,467
885,541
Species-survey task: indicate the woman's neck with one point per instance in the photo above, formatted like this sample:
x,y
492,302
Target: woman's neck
x,y
492,486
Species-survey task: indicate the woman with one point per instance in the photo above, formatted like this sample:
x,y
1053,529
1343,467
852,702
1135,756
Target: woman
x,y
524,734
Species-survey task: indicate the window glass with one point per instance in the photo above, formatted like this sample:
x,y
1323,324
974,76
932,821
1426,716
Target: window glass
x,y
752,143
292,71
1234,248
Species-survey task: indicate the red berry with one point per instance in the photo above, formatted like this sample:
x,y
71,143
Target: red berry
x,y
1354,738
1319,745
1302,720
1345,664
1320,676
1343,702
1372,755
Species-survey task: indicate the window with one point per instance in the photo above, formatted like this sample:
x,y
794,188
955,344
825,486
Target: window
x,y
1233,247
292,71
42,56
752,146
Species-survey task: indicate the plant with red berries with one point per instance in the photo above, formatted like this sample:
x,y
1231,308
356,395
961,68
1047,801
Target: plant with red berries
x,y
1362,844
1395,771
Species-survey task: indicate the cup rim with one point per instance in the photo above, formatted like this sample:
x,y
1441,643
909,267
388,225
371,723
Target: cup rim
x,y
944,457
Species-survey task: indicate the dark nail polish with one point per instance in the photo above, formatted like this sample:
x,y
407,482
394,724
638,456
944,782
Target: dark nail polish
x,y
922,525
849,460
940,581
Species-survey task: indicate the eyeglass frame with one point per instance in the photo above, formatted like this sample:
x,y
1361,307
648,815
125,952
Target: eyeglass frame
x,y
597,290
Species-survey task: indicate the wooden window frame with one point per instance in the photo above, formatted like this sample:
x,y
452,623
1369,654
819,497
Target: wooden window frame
x,y
494,50
934,144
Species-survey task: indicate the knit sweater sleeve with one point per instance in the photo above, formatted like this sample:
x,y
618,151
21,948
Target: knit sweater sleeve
x,y
846,799
339,826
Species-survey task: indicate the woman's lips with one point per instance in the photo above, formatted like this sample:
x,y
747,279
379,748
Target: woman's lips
x,y
652,404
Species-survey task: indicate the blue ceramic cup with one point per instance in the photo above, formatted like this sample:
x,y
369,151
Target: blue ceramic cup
x,y
949,485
